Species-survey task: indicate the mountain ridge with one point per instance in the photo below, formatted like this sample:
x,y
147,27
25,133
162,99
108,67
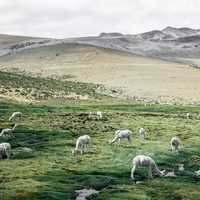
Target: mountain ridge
x,y
170,43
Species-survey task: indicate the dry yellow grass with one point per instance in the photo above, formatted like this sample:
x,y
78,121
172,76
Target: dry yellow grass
x,y
136,76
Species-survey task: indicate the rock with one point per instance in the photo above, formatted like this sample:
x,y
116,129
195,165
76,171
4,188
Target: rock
x,y
181,167
138,182
84,193
27,150
170,174
197,173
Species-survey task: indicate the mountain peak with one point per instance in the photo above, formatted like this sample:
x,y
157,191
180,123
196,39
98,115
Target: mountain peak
x,y
180,32
169,28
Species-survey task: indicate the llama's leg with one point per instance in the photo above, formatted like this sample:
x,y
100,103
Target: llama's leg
x,y
81,150
150,172
172,147
178,148
86,147
8,155
119,140
12,134
129,139
133,171
73,151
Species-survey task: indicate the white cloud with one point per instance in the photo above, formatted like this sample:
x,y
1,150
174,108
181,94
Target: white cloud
x,y
71,18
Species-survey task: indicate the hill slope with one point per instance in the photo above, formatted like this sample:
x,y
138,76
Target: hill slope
x,y
12,39
136,76
12,43
173,44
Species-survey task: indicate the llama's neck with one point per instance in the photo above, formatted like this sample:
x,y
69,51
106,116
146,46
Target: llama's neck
x,y
14,127
155,167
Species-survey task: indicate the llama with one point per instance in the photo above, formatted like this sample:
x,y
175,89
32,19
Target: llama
x,y
5,150
121,135
82,144
8,131
142,160
175,143
142,133
15,115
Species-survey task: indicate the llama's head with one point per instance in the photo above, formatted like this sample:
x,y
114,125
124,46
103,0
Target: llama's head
x,y
110,142
73,151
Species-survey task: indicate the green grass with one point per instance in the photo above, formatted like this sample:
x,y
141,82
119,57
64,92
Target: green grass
x,y
51,172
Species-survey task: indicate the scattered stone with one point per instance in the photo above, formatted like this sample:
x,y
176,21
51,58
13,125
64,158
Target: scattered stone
x,y
170,174
181,167
138,182
84,193
197,173
27,150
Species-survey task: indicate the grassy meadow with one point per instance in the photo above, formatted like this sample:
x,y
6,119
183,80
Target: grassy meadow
x,y
50,126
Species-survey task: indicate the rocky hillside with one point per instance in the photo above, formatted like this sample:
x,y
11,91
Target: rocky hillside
x,y
174,44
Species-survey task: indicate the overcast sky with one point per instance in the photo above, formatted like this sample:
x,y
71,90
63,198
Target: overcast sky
x,y
74,18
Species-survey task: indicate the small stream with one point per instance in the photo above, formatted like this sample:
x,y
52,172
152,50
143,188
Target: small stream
x,y
84,193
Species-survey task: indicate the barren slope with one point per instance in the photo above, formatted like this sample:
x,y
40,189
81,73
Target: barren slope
x,y
136,76
12,39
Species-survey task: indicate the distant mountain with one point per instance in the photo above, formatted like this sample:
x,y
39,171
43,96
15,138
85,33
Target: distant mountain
x,y
169,33
180,32
179,44
154,35
174,44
